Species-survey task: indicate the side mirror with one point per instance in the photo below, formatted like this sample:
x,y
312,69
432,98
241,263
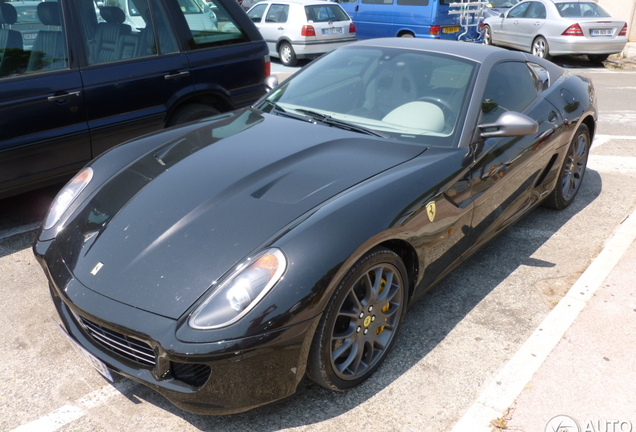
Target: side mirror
x,y
271,82
502,15
509,124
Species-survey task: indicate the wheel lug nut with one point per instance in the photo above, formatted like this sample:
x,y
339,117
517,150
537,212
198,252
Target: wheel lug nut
x,y
373,318
358,330
370,308
361,315
366,331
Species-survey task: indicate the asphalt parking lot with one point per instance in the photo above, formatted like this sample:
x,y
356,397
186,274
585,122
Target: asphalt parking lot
x,y
455,340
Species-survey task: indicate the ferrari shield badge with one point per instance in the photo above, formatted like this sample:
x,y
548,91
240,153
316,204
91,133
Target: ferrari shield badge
x,y
430,210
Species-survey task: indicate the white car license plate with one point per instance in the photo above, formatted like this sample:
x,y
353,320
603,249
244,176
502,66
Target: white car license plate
x,y
601,32
90,358
332,30
29,36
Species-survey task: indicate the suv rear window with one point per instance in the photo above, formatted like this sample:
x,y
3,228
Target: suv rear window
x,y
580,10
325,13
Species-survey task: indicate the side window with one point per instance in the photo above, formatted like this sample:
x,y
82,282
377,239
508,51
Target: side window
x,y
277,13
120,29
511,87
257,12
378,2
536,10
518,11
210,24
32,38
413,2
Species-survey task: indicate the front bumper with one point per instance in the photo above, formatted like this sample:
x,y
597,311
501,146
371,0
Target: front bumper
x,y
217,378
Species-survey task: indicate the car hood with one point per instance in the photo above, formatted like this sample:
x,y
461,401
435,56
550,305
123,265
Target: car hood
x,y
160,231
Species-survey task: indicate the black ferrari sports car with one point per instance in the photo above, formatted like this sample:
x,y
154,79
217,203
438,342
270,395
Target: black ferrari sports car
x,y
221,261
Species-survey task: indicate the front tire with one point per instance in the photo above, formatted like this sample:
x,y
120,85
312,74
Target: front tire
x,y
360,323
572,172
287,54
540,48
487,35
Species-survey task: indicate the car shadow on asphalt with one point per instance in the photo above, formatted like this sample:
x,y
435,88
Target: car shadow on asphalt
x,y
427,324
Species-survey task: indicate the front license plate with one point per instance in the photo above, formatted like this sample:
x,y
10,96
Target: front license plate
x,y
453,29
332,30
601,32
90,358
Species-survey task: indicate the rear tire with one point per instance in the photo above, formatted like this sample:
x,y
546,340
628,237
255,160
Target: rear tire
x,y
572,172
191,112
286,54
540,48
407,35
597,58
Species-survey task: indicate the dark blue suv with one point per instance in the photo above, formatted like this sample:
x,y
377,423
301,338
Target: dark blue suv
x,y
78,77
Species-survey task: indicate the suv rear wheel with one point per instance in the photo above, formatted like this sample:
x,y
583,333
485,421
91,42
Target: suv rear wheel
x,y
191,112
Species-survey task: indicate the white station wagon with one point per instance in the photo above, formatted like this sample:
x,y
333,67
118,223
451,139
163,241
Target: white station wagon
x,y
296,29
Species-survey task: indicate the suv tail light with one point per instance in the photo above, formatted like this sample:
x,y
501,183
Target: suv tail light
x,y
623,31
435,30
268,66
573,30
352,28
308,30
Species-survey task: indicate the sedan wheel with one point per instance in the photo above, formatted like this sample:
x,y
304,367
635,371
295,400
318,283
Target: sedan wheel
x,y
540,48
572,171
487,35
359,325
597,58
287,54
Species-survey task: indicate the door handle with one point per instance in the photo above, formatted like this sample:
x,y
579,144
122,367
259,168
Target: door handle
x,y
62,96
281,28
356,9
177,75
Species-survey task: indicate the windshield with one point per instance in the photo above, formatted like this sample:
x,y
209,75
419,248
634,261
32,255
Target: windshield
x,y
402,94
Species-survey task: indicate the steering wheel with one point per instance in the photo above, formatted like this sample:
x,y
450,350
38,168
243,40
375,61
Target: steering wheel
x,y
445,106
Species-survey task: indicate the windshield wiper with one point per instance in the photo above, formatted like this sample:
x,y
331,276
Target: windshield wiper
x,y
275,105
339,123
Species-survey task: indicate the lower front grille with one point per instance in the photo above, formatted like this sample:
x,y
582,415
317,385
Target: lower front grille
x,y
126,346
192,374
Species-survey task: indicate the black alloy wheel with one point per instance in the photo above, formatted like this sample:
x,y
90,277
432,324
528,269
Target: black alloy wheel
x,y
361,321
572,171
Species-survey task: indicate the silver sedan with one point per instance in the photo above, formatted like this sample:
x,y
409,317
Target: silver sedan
x,y
549,28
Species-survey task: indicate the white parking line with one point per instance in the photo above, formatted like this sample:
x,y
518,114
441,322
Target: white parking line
x,y
599,140
68,413
18,230
501,393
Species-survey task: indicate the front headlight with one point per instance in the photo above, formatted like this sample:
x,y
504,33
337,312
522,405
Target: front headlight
x,y
66,196
240,292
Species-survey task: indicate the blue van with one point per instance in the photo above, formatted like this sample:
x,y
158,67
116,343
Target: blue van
x,y
404,18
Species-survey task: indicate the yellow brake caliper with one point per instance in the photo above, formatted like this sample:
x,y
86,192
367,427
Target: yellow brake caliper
x,y
386,307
